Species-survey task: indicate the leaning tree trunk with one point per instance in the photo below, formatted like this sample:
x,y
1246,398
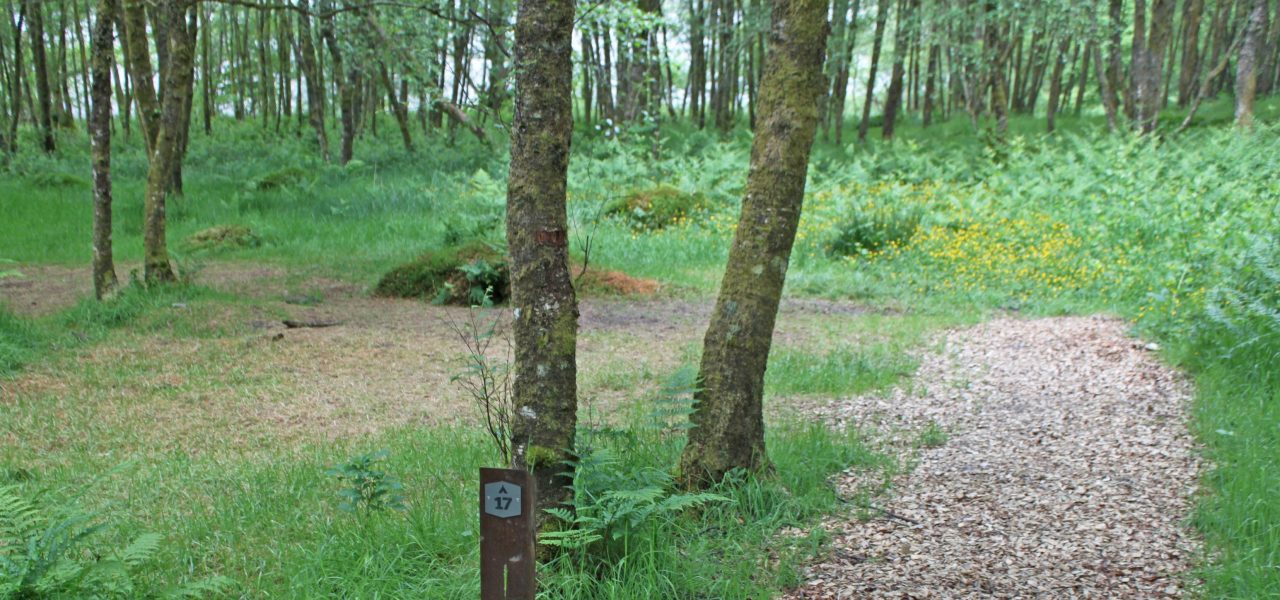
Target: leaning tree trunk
x,y
397,107
104,271
545,389
728,425
1247,66
346,90
893,98
164,160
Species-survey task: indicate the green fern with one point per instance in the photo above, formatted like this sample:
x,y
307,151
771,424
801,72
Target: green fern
x,y
613,504
42,556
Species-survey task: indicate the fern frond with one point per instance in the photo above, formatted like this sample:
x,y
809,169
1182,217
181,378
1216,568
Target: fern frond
x,y
18,519
204,588
141,550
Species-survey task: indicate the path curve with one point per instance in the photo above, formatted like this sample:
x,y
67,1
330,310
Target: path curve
x,y
1068,473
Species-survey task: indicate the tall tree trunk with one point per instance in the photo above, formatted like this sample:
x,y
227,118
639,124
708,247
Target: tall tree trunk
x,y
1083,79
588,59
1108,95
930,85
207,70
84,88
697,80
315,82
1192,12
827,116
728,424
188,95
882,15
1206,84
893,100
1148,63
104,271
167,154
1115,64
39,61
138,56
999,51
15,113
1247,67
346,89
545,389
840,85
496,90
1055,84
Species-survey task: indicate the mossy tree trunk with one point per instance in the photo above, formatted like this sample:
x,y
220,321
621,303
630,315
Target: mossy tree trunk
x,y
546,309
138,59
1247,66
728,430
103,55
167,153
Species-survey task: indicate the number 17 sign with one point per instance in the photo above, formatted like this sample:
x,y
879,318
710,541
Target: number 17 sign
x,y
507,502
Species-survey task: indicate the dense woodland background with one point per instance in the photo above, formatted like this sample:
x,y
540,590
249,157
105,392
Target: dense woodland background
x,y
331,67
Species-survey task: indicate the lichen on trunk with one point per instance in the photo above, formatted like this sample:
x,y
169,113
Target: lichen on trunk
x,y
167,152
728,420
542,295
104,272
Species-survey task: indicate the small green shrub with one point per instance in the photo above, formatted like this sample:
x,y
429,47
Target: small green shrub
x,y
57,179
223,236
368,489
471,274
869,229
278,179
657,207
932,436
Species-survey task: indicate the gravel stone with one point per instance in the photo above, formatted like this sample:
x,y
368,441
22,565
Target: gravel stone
x,y
1068,473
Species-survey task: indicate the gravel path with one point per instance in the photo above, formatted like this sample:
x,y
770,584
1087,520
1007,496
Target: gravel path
x,y
1067,473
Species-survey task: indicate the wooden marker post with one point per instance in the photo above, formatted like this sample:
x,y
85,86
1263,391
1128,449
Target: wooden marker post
x,y
508,498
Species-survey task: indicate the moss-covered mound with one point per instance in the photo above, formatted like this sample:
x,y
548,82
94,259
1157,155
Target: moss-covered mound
x,y
223,236
280,178
57,179
656,207
469,274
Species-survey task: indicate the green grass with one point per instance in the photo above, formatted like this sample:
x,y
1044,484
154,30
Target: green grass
x,y
274,527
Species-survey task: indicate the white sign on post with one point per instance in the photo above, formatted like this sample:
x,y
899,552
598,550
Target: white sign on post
x,y
502,499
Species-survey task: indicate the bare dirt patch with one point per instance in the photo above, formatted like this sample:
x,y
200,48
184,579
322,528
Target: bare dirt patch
x,y
1067,472
251,382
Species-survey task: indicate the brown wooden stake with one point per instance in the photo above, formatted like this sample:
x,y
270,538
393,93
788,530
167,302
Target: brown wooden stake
x,y
508,499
